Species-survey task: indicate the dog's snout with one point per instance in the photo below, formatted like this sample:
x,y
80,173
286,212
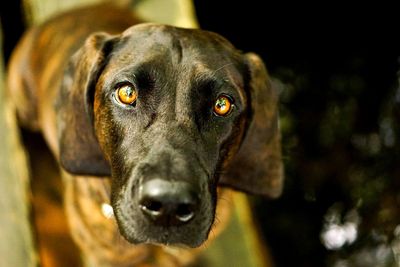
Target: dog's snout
x,y
168,203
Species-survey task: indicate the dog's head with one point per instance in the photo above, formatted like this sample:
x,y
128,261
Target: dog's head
x,y
170,114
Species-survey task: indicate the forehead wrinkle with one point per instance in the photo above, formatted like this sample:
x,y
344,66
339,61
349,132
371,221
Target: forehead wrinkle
x,y
178,49
182,98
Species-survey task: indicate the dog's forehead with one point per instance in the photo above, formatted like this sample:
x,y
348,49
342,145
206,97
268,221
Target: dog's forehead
x,y
163,33
149,40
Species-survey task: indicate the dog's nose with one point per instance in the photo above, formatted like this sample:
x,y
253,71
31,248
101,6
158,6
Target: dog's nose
x,y
168,203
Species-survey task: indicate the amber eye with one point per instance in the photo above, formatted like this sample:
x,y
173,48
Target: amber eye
x,y
126,94
223,105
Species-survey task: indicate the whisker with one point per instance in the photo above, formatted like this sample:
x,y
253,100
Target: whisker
x,y
228,200
216,221
223,66
212,234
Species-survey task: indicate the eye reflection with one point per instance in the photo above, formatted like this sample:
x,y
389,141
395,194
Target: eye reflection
x,y
223,105
126,94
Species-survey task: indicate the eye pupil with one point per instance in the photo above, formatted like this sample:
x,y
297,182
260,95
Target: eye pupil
x,y
222,106
127,94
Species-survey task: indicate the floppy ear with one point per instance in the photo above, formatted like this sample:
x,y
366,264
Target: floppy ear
x,y
257,166
80,152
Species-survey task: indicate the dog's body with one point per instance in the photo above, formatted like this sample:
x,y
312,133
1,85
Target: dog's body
x,y
163,111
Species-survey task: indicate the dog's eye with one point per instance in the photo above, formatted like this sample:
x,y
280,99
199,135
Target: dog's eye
x,y
126,94
223,105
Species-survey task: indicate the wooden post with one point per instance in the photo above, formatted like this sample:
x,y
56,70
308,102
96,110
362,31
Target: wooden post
x,y
16,238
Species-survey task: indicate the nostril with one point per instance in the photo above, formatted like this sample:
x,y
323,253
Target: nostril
x,y
152,207
185,212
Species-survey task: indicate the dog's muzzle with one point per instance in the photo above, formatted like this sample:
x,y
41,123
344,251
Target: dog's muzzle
x,y
166,200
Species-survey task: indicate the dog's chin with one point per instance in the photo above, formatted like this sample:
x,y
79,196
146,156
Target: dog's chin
x,y
164,242
142,232
165,239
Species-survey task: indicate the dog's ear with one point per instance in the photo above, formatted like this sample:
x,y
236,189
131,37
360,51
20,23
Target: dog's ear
x,y
80,152
257,166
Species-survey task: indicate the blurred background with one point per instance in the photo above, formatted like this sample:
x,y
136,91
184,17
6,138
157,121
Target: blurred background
x,y
336,68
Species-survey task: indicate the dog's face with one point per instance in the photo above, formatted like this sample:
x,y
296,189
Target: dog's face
x,y
164,111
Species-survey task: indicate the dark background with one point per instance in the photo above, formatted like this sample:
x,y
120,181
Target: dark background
x,y
337,65
336,68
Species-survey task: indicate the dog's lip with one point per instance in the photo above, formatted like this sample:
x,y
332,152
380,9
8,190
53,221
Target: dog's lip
x,y
164,239
176,245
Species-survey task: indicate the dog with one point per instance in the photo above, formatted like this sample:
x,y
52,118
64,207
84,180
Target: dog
x,y
152,119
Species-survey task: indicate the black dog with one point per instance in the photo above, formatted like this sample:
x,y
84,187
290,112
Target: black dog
x,y
168,113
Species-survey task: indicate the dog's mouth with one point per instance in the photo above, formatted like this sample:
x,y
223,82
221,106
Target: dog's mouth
x,y
139,229
161,236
